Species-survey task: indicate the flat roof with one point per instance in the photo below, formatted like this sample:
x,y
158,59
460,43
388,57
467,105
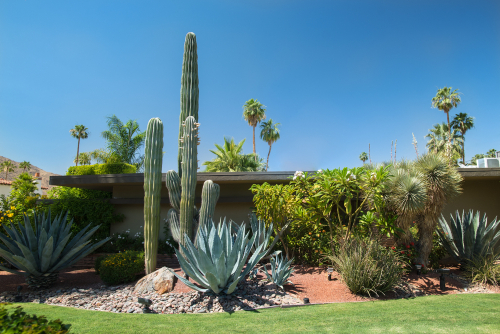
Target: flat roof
x,y
105,182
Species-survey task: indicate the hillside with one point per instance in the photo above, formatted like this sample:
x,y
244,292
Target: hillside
x,y
34,169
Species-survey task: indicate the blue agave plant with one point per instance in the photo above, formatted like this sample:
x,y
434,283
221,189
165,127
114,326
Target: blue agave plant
x,y
216,262
280,271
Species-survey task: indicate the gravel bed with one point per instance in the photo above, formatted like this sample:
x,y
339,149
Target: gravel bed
x,y
120,299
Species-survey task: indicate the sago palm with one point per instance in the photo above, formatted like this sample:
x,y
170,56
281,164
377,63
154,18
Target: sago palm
x,y
462,122
270,134
79,132
254,113
445,100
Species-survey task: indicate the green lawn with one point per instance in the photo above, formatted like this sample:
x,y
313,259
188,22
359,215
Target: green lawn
x,y
478,313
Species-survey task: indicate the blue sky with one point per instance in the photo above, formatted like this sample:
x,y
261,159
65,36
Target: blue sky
x,y
337,75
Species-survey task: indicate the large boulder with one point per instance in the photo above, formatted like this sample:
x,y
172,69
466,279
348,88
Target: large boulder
x,y
160,281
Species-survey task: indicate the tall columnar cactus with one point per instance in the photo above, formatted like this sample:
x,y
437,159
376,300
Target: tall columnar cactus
x,y
189,87
152,191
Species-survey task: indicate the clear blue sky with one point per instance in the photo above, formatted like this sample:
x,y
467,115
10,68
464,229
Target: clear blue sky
x,y
337,75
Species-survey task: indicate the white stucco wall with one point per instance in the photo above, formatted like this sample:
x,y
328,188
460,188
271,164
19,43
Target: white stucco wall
x,y
4,189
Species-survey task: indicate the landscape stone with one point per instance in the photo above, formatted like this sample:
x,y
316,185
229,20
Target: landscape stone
x,y
160,281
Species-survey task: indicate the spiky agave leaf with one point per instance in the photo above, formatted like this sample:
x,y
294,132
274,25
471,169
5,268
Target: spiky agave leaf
x,y
280,270
217,262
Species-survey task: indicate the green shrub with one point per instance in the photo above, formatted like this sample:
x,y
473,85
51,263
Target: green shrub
x,y
121,267
85,207
368,268
485,269
20,322
100,169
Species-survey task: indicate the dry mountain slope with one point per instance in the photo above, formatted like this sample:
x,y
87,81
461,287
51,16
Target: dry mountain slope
x,y
45,175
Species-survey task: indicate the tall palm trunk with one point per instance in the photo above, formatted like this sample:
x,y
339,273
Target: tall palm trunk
x,y
254,141
267,164
78,151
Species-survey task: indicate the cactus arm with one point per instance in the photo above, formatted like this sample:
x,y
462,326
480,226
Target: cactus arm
x,y
189,88
173,183
152,191
209,197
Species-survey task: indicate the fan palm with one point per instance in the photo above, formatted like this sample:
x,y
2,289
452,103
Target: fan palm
x,y
124,141
462,122
25,165
270,134
445,100
79,132
84,158
254,113
439,140
229,158
8,167
363,157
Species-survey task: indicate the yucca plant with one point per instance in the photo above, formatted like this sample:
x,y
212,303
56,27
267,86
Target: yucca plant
x,y
280,270
468,236
42,251
216,262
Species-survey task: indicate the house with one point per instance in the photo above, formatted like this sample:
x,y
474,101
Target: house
x,y
5,186
481,191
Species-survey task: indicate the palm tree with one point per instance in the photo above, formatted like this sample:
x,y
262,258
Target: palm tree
x,y
270,134
229,158
462,122
79,132
439,140
8,167
84,158
491,153
25,165
124,141
445,100
363,157
254,113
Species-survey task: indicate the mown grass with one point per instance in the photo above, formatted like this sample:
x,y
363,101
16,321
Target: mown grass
x,y
479,313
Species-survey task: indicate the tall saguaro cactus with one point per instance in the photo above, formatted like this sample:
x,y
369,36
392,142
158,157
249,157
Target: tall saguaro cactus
x,y
189,87
152,191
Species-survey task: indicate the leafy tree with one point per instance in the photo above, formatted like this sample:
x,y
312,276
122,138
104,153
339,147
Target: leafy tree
x,y
25,165
445,100
462,122
491,153
8,167
438,141
363,157
79,132
229,158
124,141
254,113
270,134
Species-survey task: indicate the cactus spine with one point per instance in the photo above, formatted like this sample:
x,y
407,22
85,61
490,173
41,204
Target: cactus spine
x,y
152,191
189,87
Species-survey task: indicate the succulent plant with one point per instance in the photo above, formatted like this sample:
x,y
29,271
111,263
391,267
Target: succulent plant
x,y
45,249
152,191
280,270
259,225
468,237
217,262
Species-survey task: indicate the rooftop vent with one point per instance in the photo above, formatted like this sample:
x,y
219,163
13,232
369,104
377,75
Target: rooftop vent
x,y
488,162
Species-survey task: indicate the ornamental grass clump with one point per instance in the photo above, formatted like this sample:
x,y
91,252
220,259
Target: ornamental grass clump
x,y
368,268
121,268
483,270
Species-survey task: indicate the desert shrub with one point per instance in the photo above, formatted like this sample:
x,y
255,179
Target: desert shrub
x,y
121,267
485,269
85,207
368,268
20,322
99,169
125,241
407,254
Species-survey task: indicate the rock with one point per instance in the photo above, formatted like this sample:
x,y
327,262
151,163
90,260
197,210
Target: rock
x,y
160,281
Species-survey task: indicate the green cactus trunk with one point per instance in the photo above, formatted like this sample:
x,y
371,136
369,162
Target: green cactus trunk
x,y
189,88
209,197
189,164
152,191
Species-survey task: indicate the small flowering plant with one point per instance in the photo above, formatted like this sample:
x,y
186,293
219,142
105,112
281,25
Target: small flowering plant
x,y
409,254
